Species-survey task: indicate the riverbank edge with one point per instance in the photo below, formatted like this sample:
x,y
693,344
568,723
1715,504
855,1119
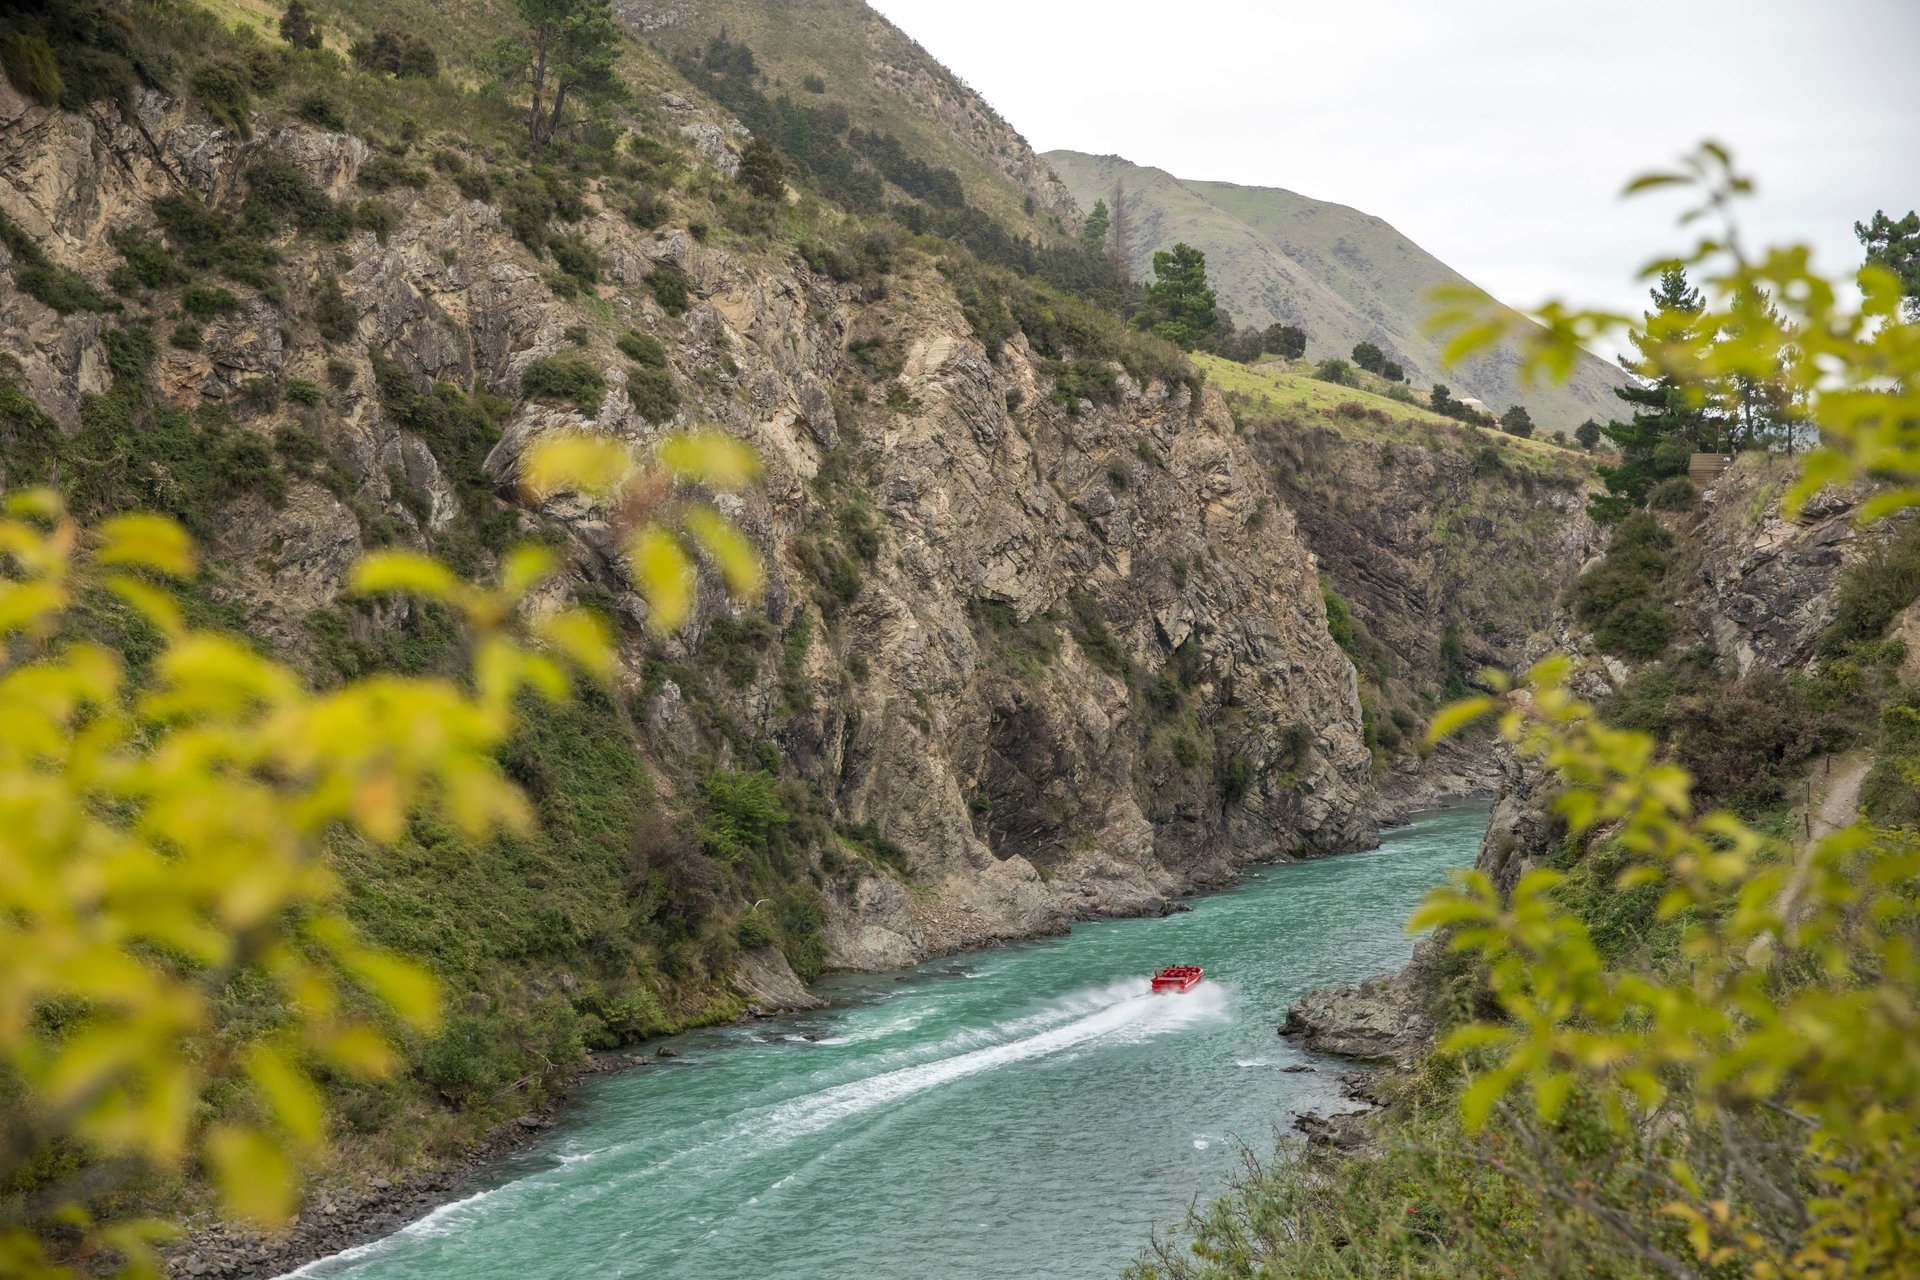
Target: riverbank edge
x,y
1382,1027
336,1222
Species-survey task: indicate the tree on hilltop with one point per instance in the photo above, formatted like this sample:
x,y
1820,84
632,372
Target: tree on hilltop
x,y
1181,306
1335,370
1288,340
1120,231
1516,421
297,26
1368,356
1665,426
1588,434
400,54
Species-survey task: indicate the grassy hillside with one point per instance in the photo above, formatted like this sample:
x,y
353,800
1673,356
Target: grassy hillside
x,y
840,52
1280,387
1342,275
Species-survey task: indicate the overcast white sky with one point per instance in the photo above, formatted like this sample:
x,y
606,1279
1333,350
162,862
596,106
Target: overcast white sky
x,y
1495,133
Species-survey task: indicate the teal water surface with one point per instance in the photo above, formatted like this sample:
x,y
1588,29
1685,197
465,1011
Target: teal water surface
x,y
1030,1111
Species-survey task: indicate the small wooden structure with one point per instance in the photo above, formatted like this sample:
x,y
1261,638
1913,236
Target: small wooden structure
x,y
1704,468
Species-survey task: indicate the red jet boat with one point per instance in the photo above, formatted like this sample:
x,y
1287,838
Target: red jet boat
x,y
1179,977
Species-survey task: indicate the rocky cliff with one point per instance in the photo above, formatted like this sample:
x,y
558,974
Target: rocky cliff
x,y
843,52
1448,547
1740,695
1057,659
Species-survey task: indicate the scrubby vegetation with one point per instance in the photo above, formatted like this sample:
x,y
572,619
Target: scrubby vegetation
x,y
41,278
1620,598
569,377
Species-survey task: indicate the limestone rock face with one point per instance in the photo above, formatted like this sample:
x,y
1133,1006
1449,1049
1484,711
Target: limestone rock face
x,y
1451,563
1765,583
1081,645
1522,831
1755,588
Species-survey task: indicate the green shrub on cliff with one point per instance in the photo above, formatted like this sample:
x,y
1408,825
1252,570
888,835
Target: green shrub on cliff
x,y
1872,592
226,92
1618,598
569,376
40,278
669,286
28,61
30,440
742,813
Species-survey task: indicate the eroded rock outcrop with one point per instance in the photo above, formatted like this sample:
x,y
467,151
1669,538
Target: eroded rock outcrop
x,y
1388,1020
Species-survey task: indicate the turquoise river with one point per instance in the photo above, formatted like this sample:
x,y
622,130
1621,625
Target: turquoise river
x,y
1029,1111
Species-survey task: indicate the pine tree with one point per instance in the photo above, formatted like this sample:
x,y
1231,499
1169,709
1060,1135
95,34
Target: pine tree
x,y
1516,421
1665,427
566,52
297,26
761,170
1757,412
1181,306
1093,233
1588,434
1895,246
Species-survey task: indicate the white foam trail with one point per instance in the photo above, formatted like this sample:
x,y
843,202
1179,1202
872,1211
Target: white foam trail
x,y
1123,1012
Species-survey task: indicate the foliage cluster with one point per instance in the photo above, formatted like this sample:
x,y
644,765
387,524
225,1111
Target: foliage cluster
x,y
1619,598
571,377
200,800
1077,342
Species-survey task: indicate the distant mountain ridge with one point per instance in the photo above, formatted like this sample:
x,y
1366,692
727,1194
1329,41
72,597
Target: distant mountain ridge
x,y
1342,275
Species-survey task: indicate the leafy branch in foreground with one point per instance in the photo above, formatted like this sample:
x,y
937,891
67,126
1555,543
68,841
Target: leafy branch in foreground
x,y
1769,1075
163,839
1794,1005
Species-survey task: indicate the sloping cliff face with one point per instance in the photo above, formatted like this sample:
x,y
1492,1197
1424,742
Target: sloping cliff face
x,y
1026,662
1451,555
1751,593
